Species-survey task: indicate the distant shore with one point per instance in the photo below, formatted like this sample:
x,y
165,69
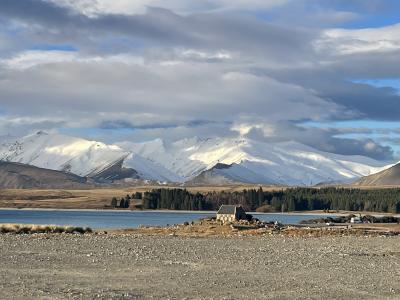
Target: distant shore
x,y
110,210
300,213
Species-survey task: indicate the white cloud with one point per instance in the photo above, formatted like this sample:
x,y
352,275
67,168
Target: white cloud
x,y
28,59
72,85
98,7
352,41
195,54
165,71
31,58
244,128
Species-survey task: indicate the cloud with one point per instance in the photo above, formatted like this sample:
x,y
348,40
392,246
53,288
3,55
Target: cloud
x,y
323,139
158,27
128,7
181,68
182,94
346,41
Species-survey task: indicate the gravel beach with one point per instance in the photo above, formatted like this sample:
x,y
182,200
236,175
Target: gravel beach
x,y
119,266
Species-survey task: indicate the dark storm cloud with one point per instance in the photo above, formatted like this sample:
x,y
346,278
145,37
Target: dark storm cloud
x,y
61,21
363,100
162,27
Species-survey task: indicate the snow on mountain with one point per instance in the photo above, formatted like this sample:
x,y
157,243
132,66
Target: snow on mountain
x,y
63,153
150,170
192,160
288,163
223,174
388,177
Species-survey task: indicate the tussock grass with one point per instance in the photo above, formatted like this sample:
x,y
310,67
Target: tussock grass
x,y
31,229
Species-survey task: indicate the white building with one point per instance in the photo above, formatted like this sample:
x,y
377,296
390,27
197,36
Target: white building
x,y
231,213
356,220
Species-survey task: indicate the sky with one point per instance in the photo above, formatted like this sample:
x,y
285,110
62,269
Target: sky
x,y
325,73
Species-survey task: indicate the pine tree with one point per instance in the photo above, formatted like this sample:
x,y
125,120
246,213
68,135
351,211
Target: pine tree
x,y
291,204
260,195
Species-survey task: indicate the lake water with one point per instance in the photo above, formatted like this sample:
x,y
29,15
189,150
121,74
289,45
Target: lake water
x,y
123,219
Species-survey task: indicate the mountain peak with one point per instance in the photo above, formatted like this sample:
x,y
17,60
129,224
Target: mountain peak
x,y
289,163
63,153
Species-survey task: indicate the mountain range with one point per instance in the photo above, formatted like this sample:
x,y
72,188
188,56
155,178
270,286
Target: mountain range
x,y
191,161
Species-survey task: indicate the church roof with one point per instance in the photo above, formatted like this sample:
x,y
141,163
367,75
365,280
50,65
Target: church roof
x,y
228,209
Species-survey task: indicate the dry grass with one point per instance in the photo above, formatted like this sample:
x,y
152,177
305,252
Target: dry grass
x,y
62,199
31,229
100,198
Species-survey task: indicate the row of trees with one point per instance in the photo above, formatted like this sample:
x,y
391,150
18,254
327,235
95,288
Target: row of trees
x,y
379,200
125,202
176,199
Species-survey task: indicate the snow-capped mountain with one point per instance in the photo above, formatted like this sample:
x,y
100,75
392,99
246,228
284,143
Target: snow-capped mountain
x,y
81,157
63,153
150,170
249,161
193,161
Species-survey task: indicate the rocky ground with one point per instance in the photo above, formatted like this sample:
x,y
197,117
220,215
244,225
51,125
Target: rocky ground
x,y
133,266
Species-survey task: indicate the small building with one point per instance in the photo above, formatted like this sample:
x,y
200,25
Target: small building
x,y
231,213
356,220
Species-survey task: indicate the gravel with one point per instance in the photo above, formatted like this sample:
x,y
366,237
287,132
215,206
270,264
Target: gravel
x,y
61,266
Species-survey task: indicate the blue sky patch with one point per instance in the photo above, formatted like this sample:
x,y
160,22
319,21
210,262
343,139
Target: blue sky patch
x,y
381,83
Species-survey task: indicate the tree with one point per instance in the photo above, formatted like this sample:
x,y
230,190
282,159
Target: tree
x,y
276,203
380,200
283,207
291,204
260,195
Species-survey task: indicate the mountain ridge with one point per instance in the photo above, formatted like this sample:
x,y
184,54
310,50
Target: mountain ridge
x,y
191,160
287,163
16,175
63,153
390,176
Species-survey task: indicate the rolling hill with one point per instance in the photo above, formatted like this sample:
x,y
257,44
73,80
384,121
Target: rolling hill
x,y
390,176
17,175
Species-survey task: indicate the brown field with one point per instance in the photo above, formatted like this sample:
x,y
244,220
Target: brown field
x,y
62,199
98,198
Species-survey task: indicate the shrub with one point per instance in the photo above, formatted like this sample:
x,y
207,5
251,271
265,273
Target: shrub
x,y
31,229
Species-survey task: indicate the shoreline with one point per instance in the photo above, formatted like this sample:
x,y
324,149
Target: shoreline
x,y
106,210
296,213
